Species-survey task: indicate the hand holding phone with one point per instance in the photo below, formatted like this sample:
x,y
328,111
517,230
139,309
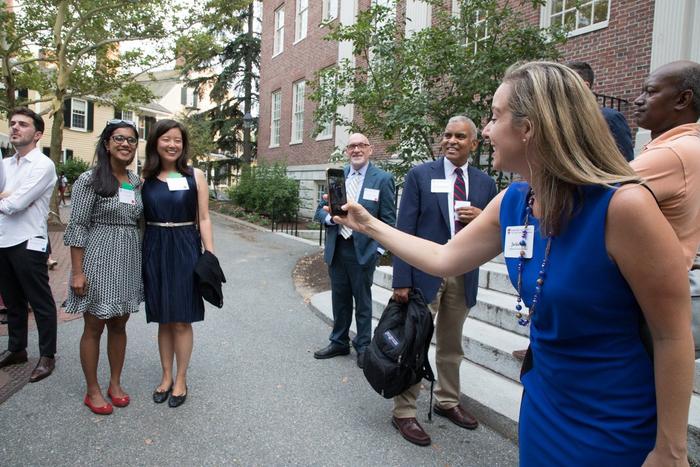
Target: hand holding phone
x,y
337,196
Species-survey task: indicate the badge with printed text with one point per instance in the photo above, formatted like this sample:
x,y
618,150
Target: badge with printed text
x,y
515,243
37,244
127,196
441,185
370,194
176,182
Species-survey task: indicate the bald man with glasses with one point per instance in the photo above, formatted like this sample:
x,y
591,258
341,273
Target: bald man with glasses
x,y
352,256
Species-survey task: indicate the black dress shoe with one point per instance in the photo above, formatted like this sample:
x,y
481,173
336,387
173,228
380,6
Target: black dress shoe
x,y
176,401
12,358
330,351
161,396
361,359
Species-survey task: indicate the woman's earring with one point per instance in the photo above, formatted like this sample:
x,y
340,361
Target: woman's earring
x,y
524,140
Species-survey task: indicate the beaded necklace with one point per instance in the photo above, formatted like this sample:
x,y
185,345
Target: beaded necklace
x,y
522,319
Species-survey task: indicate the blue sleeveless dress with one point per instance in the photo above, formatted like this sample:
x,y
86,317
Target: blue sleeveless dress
x,y
588,397
170,254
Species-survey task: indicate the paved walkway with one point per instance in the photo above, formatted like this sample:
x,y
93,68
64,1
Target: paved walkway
x,y
256,394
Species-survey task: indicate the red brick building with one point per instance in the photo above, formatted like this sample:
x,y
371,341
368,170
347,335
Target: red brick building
x,y
623,40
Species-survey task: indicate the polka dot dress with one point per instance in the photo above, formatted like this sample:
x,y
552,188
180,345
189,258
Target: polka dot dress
x,y
108,231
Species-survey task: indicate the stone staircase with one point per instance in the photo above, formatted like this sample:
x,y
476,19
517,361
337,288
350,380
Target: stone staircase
x,y
490,373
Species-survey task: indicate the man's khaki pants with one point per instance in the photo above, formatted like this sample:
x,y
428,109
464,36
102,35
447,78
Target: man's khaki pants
x,y
449,313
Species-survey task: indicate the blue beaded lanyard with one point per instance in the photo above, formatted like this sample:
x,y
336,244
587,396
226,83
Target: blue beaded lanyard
x,y
522,319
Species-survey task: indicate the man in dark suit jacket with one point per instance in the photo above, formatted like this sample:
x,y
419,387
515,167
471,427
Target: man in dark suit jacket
x,y
617,123
435,205
352,256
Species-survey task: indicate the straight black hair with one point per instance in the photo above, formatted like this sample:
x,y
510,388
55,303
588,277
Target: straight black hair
x,y
103,180
151,168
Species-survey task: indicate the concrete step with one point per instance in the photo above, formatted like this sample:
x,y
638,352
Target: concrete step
x,y
495,307
495,399
484,344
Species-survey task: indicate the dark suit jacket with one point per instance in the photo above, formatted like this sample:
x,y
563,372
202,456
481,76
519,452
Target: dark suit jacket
x,y
384,210
425,214
620,130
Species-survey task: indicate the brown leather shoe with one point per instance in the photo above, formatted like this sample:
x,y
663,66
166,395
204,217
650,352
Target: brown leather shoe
x,y
43,369
12,358
411,430
458,416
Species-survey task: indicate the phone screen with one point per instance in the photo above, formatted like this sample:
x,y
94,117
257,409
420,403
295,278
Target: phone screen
x,y
336,191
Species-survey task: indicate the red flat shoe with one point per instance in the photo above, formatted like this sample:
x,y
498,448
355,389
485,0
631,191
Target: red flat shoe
x,y
104,410
119,401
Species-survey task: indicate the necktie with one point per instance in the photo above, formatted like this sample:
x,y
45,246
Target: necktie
x,y
352,189
460,194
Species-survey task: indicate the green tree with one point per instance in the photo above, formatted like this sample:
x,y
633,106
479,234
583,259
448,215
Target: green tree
x,y
223,56
78,43
405,87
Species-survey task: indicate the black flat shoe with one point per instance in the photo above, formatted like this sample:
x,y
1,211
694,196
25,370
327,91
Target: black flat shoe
x,y
176,401
160,397
330,351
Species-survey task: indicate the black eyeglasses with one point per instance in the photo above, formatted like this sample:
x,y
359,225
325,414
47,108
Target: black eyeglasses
x,y
352,147
119,139
117,121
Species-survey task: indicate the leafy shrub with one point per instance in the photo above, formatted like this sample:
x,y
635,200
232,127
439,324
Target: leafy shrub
x,y
72,169
267,190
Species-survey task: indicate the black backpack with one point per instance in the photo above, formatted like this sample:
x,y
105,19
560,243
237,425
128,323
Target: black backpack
x,y
397,357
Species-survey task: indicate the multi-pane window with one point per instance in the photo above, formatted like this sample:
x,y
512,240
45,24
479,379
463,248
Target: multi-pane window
x,y
327,129
330,9
479,31
278,41
320,191
418,16
78,117
578,16
275,118
298,111
302,19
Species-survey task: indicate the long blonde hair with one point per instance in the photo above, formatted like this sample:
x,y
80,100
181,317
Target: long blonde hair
x,y
571,139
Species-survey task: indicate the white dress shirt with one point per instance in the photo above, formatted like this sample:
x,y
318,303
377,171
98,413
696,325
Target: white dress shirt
x,y
2,175
451,176
29,181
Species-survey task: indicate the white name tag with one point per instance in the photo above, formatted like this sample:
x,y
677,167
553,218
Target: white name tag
x,y
37,244
127,196
462,204
177,183
441,185
514,240
371,194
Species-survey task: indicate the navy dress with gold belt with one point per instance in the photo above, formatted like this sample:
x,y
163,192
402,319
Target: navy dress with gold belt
x,y
170,253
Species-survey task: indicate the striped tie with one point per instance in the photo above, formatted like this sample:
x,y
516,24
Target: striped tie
x,y
352,189
460,194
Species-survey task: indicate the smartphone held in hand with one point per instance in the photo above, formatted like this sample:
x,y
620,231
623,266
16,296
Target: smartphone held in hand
x,y
337,196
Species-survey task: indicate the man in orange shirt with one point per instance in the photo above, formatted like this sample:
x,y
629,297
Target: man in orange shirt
x,y
669,107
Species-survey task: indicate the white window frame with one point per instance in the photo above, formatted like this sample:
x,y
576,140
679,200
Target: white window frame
x,y
327,131
481,18
330,10
77,113
568,6
301,20
298,97
278,39
275,118
129,115
418,16
320,191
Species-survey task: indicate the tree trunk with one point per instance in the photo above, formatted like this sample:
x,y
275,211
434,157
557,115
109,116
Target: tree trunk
x,y
248,89
56,151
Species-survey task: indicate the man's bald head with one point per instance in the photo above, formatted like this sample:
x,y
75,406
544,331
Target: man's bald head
x,y
670,97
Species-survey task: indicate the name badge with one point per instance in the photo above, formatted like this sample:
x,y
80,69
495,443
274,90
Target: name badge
x,y
127,196
462,204
441,185
37,244
515,243
177,184
370,194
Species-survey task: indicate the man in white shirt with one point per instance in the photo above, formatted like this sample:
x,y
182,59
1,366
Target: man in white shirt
x,y
24,277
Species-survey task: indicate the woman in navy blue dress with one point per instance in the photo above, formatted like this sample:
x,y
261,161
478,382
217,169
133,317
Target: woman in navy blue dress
x,y
176,209
591,257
